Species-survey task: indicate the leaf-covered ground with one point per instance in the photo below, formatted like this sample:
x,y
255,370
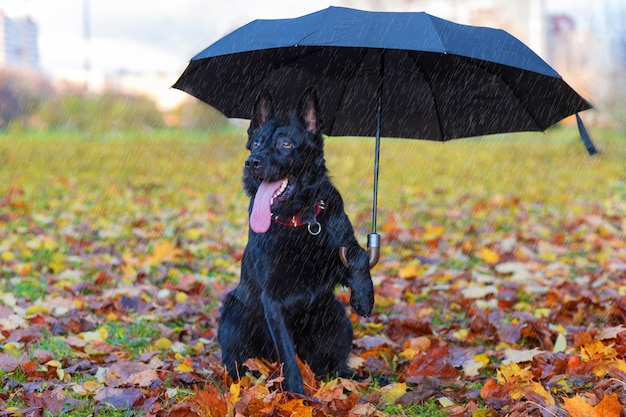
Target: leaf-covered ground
x,y
501,291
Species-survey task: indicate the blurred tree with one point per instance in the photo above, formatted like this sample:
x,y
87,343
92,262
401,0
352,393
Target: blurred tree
x,y
21,92
99,112
194,113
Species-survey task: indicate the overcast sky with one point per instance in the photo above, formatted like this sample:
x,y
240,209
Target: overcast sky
x,y
146,35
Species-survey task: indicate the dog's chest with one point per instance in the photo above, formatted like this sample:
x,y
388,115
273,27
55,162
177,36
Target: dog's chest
x,y
297,262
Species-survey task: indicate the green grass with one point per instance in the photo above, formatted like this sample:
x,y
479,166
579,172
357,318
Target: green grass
x,y
429,408
551,167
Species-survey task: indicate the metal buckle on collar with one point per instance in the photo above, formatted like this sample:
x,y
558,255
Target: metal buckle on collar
x,y
316,225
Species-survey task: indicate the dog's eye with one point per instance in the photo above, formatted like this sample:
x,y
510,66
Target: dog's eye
x,y
256,144
286,144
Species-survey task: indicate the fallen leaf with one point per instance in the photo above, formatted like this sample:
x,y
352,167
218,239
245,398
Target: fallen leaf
x,y
577,407
391,392
610,406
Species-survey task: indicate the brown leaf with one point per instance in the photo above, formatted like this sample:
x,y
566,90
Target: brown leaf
x,y
183,410
308,377
496,395
123,398
50,400
8,363
143,378
431,364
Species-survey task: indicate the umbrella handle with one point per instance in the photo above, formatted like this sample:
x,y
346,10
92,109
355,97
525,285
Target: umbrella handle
x,y
373,250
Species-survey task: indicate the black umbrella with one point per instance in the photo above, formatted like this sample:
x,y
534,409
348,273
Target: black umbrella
x,y
404,75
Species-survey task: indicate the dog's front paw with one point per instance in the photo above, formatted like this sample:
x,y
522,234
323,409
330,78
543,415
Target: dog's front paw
x,y
362,301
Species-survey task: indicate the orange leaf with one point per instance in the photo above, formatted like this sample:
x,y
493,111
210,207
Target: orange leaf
x,y
297,407
609,406
308,377
596,350
494,393
577,407
209,403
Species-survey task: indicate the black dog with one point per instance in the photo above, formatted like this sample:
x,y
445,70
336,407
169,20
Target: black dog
x,y
284,304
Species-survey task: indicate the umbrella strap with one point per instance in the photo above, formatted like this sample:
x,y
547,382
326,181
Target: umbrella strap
x,y
584,135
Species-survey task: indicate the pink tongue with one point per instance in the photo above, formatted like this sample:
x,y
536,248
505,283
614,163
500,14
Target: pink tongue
x,y
261,217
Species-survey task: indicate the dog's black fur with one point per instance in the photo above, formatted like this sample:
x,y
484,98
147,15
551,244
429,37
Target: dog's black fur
x,y
284,304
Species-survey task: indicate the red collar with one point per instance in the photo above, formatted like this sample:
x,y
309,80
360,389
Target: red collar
x,y
295,221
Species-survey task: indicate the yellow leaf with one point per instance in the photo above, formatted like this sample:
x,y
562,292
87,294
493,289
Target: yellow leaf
x,y
539,389
481,357
542,312
514,374
163,344
596,350
560,344
482,413
7,256
164,250
235,393
471,367
34,310
461,334
181,297
59,368
13,349
392,392
57,262
54,363
411,270
49,244
446,402
91,385
103,332
433,232
99,335
194,233
489,256
183,368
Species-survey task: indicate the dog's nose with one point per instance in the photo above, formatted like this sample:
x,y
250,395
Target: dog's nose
x,y
253,162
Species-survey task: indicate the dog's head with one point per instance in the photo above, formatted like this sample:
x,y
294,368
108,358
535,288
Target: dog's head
x,y
286,162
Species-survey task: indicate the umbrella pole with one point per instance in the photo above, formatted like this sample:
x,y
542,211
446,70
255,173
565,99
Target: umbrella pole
x,y
373,239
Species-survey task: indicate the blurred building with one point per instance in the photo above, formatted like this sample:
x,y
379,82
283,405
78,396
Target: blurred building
x,y
18,43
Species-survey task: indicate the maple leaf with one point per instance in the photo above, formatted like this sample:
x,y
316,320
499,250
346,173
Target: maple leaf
x,y
163,251
209,402
431,364
608,407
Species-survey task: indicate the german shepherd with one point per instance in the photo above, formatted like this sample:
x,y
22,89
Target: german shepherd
x,y
284,304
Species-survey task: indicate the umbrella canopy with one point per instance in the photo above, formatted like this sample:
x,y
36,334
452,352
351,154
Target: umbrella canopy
x,y
404,75
434,79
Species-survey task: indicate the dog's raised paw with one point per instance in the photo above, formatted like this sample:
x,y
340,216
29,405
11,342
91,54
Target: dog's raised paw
x,y
362,302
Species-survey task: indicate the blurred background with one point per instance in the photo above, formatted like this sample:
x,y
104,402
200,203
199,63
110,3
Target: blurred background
x,y
78,63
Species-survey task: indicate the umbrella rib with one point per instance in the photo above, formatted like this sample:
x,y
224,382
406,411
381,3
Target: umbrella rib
x,y
345,88
432,93
477,63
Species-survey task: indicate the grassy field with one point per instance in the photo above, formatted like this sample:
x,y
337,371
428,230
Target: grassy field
x,y
116,246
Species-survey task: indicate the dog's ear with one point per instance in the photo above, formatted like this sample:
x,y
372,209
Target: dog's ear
x,y
308,111
263,110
